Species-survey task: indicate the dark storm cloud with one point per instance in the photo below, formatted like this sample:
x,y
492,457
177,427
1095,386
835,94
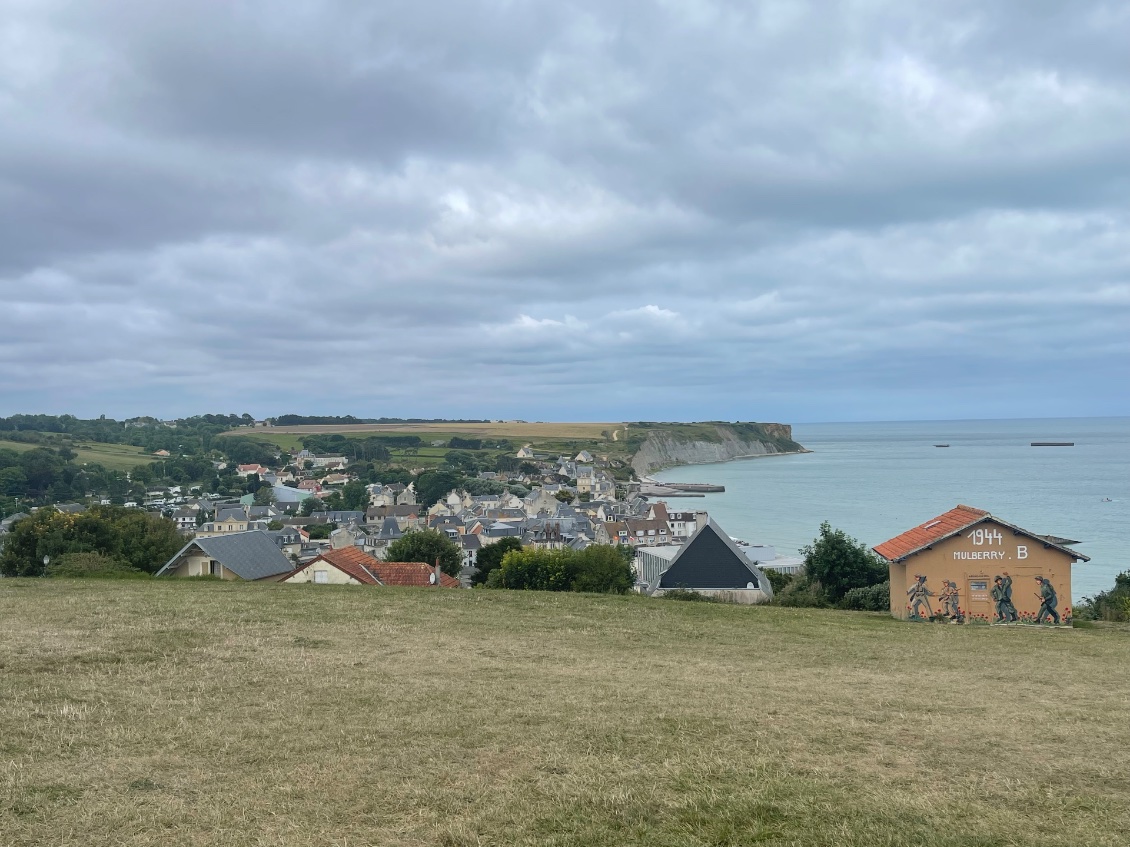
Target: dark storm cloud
x,y
642,210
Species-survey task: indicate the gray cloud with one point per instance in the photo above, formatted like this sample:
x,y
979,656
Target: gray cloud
x,y
707,209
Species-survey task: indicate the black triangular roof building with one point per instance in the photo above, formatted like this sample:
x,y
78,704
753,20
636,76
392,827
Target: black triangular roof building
x,y
711,560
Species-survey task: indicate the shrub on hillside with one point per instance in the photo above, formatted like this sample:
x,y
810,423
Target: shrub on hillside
x,y
801,592
599,569
139,539
838,563
873,598
1112,605
778,581
490,558
92,566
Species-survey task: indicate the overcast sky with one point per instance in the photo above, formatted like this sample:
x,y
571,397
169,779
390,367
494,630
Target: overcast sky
x,y
672,210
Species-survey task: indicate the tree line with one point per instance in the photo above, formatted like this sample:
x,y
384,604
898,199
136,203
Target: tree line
x,y
129,539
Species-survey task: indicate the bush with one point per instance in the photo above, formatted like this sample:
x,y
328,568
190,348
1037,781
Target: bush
x,y
92,566
777,581
839,563
601,569
873,598
1112,605
427,545
490,558
802,592
136,538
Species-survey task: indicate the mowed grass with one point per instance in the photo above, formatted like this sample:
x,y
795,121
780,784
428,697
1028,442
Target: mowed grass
x,y
176,713
114,457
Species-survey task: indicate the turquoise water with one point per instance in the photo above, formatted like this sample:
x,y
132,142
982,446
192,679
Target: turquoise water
x,y
875,480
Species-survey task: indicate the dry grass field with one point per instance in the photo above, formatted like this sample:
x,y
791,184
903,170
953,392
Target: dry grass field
x,y
485,430
163,713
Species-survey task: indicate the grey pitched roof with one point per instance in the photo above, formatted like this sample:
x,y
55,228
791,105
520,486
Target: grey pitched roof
x,y
710,559
249,555
390,529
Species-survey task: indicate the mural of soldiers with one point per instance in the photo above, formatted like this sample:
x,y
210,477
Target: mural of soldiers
x,y
998,598
1002,598
949,599
919,596
1048,601
1009,608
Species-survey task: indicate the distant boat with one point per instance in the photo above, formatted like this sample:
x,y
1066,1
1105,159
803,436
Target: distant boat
x,y
1053,443
941,445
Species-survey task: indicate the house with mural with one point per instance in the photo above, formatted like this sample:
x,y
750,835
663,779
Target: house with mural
x,y
968,565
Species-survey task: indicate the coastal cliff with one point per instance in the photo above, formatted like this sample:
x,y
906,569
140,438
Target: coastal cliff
x,y
699,444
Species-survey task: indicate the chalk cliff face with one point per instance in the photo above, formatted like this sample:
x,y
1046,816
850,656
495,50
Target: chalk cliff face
x,y
665,448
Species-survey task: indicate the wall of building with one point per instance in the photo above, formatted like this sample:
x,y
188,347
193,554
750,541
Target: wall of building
x,y
743,596
198,565
972,559
333,575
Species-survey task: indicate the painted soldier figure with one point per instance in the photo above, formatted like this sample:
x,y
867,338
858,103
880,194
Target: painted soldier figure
x,y
1009,608
998,599
950,604
919,596
1048,601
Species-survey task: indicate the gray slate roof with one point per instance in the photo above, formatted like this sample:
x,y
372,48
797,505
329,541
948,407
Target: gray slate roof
x,y
249,555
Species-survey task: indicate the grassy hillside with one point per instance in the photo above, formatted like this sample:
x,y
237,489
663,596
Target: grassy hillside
x,y
181,714
114,457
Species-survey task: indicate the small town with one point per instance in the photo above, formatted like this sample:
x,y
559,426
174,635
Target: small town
x,y
493,423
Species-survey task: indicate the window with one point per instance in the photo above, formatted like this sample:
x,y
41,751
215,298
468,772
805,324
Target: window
x,y
214,568
979,586
321,577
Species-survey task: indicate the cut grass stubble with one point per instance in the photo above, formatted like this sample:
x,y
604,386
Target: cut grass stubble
x,y
171,713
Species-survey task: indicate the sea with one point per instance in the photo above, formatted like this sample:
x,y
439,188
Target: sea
x,y
876,480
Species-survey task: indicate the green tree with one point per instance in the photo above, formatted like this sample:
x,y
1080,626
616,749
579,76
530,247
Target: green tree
x,y
837,563
432,485
13,482
1110,605
460,460
427,545
140,540
355,496
603,569
265,496
490,558
320,531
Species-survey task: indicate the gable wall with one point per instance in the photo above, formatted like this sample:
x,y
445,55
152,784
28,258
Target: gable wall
x,y
196,564
971,560
333,575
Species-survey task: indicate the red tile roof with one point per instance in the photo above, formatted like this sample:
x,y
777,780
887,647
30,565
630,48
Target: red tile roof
x,y
411,574
952,522
349,560
930,532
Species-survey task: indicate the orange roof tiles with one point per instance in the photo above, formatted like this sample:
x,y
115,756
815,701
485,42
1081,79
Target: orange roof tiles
x,y
348,560
411,574
933,530
370,571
